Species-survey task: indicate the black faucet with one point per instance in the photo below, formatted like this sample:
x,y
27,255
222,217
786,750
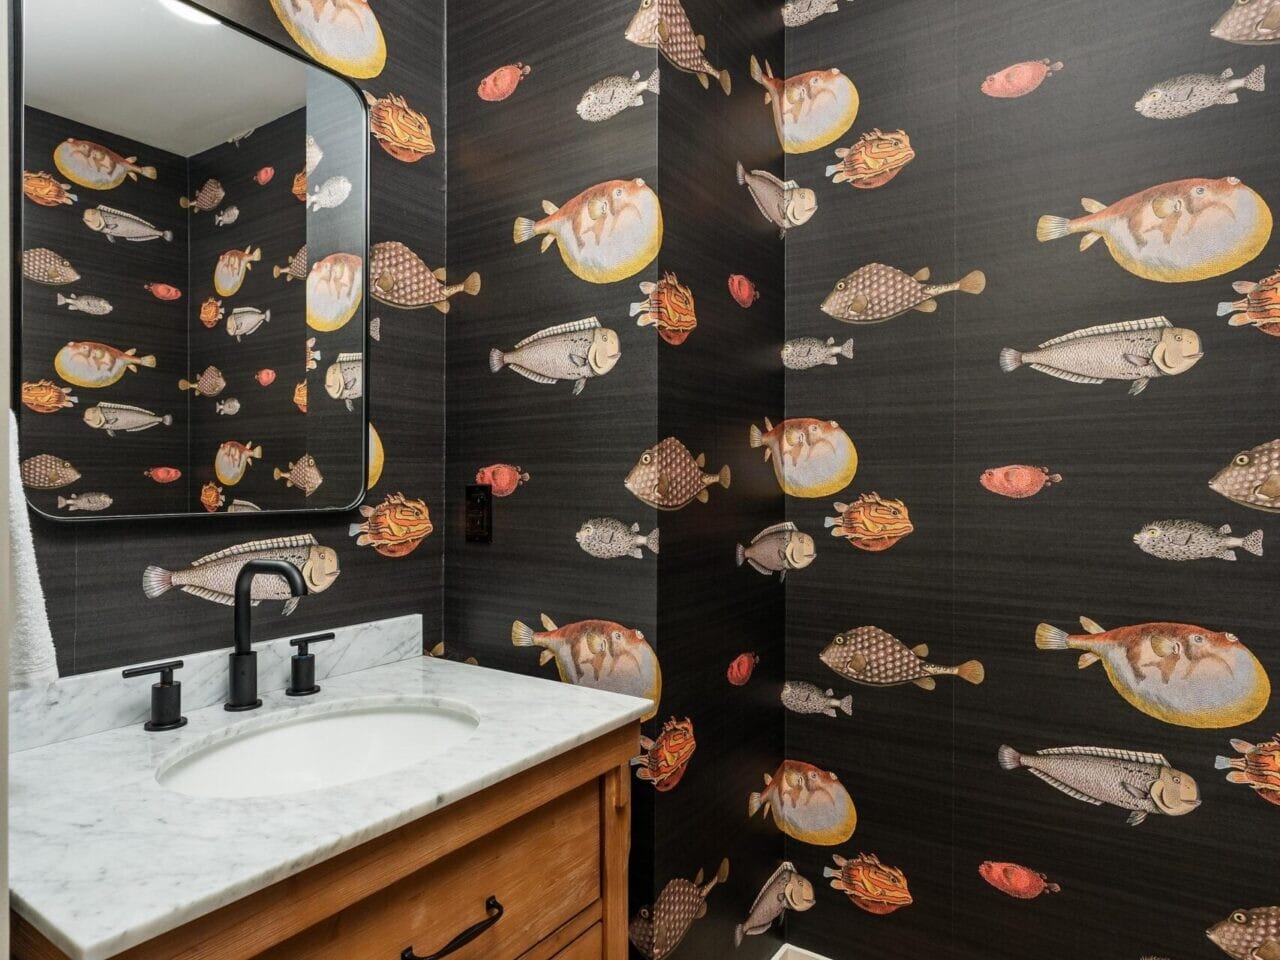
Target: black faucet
x,y
243,676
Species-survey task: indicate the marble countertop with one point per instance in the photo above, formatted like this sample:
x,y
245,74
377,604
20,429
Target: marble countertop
x,y
102,858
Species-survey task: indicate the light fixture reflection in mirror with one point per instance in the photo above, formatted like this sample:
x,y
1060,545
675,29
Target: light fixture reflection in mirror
x,y
180,9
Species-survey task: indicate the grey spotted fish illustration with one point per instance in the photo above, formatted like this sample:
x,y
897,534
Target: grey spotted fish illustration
x,y
608,538
796,13
668,476
1252,478
303,473
576,351
1251,22
785,204
44,266
296,268
95,306
228,407
799,696
1191,540
226,216
89,502
777,549
607,98
875,292
665,25
398,277
1249,934
1138,351
207,197
1142,783
332,193
877,658
118,417
117,225
46,471
1190,93
785,890
657,930
805,353
208,384
213,577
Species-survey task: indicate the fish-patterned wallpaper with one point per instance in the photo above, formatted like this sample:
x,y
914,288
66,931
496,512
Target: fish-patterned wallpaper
x,y
108,293
127,591
603,393
1066,458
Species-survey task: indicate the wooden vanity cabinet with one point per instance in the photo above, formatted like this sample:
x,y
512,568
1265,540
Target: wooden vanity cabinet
x,y
549,845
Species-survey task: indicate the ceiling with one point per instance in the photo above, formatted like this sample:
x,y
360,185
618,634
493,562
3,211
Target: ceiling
x,y
142,69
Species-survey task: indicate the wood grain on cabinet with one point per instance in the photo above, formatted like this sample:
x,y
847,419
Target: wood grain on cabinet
x,y
586,947
553,839
543,869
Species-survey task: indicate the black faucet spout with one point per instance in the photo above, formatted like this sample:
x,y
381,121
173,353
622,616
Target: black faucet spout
x,y
243,670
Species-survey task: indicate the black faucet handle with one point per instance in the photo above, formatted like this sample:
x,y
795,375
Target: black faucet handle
x,y
164,669
166,695
302,669
302,643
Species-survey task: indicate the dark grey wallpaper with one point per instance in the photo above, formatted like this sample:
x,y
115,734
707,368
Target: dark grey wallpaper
x,y
931,411
506,157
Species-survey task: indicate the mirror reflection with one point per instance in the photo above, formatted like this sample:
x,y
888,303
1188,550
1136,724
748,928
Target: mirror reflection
x,y
192,329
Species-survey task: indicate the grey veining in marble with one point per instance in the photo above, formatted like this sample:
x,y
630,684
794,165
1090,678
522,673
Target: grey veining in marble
x,y
89,703
88,820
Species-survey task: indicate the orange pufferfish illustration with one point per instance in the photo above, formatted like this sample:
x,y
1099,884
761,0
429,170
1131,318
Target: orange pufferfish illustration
x,y
400,130
669,309
45,396
874,886
44,189
600,654
810,110
606,233
344,35
871,522
1260,306
873,161
395,527
808,804
663,761
1176,232
811,458
335,287
1258,766
211,497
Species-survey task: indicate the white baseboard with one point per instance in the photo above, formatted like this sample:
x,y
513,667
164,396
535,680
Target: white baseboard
x,y
795,953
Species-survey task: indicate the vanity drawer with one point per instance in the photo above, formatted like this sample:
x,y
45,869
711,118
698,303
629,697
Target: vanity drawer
x,y
544,869
589,946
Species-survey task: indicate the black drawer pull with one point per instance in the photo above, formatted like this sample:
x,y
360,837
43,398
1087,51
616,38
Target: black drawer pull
x,y
495,911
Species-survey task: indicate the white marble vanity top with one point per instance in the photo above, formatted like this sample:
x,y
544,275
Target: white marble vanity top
x,y
103,858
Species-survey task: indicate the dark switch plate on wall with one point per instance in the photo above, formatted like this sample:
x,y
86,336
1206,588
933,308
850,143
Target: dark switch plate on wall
x,y
479,513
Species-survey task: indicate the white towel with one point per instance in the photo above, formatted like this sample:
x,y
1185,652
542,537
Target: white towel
x,y
32,661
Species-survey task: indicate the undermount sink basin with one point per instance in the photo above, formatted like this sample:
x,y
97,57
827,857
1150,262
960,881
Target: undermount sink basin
x,y
277,755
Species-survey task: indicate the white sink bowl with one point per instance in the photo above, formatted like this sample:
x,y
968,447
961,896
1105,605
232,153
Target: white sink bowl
x,y
326,747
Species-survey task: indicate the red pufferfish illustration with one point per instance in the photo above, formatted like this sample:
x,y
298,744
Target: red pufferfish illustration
x,y
1016,880
502,83
1018,481
504,478
741,669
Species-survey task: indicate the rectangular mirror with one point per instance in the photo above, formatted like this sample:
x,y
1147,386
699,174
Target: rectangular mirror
x,y
191,326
